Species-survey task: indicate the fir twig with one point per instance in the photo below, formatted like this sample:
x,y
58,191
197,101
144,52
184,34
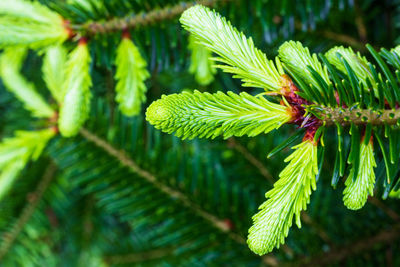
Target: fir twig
x,y
129,163
132,21
33,201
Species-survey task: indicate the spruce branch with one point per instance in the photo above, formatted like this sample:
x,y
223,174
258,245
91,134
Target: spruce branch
x,y
197,114
141,19
190,115
238,53
34,198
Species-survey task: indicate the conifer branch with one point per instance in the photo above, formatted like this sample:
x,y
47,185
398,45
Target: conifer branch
x,y
141,19
34,199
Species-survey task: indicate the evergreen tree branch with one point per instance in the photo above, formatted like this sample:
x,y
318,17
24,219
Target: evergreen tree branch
x,y
132,21
126,161
386,236
33,201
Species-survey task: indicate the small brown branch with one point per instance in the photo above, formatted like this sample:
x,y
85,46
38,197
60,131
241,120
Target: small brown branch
x,y
139,257
141,19
345,116
389,212
317,228
342,38
33,201
359,21
250,158
337,255
221,225
337,37
128,162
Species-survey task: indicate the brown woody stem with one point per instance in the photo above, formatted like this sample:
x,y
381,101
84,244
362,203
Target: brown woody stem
x,y
34,199
346,116
132,21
